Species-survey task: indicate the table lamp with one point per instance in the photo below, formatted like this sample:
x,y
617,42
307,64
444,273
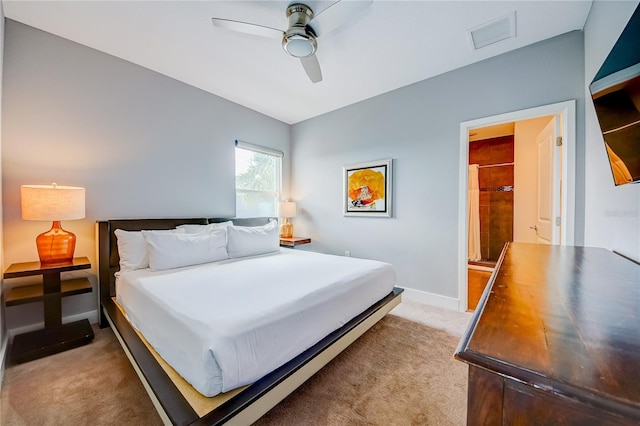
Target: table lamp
x,y
53,203
287,209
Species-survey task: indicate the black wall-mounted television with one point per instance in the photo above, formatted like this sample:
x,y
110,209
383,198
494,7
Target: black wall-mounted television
x,y
615,91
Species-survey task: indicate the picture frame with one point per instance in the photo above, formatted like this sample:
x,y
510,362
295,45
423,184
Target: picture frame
x,y
367,189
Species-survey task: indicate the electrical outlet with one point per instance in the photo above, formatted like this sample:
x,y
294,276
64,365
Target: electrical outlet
x,y
347,253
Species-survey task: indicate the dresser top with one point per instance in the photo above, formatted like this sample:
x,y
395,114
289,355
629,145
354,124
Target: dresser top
x,y
565,318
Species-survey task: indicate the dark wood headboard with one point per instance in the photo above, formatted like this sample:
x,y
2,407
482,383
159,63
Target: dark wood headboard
x,y
109,260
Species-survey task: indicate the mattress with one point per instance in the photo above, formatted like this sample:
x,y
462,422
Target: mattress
x,y
226,324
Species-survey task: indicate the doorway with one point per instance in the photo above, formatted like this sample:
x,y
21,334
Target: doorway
x,y
516,215
491,191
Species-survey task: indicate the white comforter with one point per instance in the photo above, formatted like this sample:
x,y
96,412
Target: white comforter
x,y
226,324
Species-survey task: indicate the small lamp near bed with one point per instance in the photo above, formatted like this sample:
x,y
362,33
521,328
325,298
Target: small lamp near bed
x,y
287,210
53,203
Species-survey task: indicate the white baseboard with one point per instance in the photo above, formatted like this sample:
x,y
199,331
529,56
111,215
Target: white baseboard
x,y
431,299
92,316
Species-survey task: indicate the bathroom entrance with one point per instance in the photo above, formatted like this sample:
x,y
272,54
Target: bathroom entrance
x,y
490,202
516,169
525,152
491,165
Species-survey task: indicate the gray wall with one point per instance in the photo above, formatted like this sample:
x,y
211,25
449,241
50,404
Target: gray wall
x,y
142,144
419,127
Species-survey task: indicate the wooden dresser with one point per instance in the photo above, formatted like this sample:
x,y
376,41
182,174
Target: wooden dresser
x,y
555,339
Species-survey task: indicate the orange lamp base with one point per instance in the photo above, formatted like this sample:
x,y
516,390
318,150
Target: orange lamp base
x,y
56,246
286,230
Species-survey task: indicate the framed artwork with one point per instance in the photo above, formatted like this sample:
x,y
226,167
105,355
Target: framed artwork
x,y
367,189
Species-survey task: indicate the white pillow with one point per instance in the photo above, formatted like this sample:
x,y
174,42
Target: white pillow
x,y
132,248
168,251
251,240
196,229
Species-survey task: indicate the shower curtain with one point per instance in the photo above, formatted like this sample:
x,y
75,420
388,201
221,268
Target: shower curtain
x,y
474,213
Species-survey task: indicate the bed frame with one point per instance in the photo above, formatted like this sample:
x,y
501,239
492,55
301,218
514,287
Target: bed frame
x,y
254,401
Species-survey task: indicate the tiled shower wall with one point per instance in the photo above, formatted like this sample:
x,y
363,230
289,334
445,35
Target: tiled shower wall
x,y
496,200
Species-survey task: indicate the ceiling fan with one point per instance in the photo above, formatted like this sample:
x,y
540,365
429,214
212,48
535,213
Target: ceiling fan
x,y
300,38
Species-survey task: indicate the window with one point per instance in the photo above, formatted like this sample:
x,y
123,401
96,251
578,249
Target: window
x,y
258,180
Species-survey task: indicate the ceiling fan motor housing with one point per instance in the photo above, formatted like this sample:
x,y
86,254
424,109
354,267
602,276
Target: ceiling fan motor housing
x,y
299,40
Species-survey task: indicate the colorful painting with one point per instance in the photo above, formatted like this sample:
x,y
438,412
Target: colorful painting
x,y
367,189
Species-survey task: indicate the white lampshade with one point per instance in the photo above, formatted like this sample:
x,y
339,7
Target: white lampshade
x,y
52,202
287,209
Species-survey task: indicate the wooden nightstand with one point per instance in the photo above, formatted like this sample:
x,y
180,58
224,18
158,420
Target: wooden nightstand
x,y
294,241
54,337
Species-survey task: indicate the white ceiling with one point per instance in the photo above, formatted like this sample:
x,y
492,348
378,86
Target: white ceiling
x,y
393,44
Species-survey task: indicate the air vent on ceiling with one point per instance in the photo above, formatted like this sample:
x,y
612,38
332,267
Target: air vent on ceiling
x,y
493,31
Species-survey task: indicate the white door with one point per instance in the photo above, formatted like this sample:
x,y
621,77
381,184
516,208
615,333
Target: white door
x,y
549,186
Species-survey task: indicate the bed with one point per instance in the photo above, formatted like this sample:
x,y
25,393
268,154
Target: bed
x,y
235,400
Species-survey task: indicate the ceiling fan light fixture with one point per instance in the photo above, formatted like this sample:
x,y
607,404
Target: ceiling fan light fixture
x,y
299,45
299,40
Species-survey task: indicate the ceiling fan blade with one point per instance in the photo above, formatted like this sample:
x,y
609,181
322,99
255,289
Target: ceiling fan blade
x,y
247,28
312,68
337,14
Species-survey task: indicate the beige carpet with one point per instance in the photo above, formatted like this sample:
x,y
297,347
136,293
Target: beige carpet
x,y
401,372
91,385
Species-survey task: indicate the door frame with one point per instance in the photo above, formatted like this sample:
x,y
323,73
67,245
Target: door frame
x,y
567,111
